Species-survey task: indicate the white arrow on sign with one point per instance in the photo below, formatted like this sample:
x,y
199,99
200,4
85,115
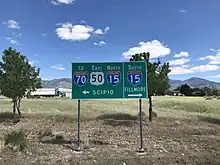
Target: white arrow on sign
x,y
135,95
85,92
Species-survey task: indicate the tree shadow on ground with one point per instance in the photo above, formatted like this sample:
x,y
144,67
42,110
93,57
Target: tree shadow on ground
x,y
115,123
117,116
209,120
56,139
118,119
8,117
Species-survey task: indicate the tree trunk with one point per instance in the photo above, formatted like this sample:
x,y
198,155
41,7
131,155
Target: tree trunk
x,y
150,108
18,107
14,107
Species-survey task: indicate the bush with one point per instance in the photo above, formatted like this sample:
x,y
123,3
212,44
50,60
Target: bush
x,y
143,114
154,114
209,98
16,140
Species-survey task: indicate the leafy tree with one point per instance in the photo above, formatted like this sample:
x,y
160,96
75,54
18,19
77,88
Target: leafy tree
x,y
157,76
17,77
207,91
186,90
215,92
211,91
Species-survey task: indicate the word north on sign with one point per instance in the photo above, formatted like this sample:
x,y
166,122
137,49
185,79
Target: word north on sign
x,y
113,80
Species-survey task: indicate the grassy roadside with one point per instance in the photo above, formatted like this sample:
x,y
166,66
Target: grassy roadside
x,y
110,132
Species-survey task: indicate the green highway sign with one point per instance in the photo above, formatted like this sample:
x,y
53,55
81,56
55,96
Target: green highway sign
x,y
111,80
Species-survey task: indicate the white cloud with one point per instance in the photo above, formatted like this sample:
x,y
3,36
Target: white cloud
x,y
57,2
12,41
17,35
102,31
216,76
181,54
213,59
179,70
215,50
182,11
186,70
58,67
67,31
101,43
33,62
99,32
180,61
204,68
83,22
107,29
12,24
155,48
185,66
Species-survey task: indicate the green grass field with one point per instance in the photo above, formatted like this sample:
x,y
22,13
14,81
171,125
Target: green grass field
x,y
185,131
92,108
164,106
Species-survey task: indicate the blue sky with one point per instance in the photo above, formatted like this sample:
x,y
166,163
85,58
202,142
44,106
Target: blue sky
x,y
54,33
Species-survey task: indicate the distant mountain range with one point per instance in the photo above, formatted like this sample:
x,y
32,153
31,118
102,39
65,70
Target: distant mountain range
x,y
194,82
57,83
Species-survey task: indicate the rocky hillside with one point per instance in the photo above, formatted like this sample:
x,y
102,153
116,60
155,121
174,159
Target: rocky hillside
x,y
194,82
57,83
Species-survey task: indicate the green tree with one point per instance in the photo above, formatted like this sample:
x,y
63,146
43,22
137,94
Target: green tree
x,y
215,92
17,77
157,77
186,90
207,91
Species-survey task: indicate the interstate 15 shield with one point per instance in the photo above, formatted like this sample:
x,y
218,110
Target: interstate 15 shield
x,y
113,77
80,78
135,77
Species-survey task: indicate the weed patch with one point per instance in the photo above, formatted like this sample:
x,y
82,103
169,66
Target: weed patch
x,y
16,140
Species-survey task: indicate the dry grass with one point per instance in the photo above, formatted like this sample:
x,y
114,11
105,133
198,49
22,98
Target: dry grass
x,y
185,131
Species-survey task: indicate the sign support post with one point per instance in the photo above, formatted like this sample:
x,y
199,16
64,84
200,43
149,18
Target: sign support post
x,y
141,126
78,140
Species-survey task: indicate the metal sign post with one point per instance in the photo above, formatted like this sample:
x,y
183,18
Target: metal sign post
x,y
141,126
78,122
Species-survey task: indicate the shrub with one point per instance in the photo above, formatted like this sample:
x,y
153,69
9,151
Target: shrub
x,y
154,114
16,140
143,114
209,98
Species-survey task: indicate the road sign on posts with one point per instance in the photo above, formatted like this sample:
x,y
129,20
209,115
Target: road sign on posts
x,y
111,80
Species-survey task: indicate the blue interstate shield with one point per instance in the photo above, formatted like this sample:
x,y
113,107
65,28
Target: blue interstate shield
x,y
80,78
135,77
113,77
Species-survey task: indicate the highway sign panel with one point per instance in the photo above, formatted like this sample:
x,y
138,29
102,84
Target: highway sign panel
x,y
111,80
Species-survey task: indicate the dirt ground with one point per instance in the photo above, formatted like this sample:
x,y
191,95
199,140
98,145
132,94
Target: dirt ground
x,y
115,140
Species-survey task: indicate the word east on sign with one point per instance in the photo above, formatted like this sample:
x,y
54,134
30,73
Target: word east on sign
x,y
113,80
